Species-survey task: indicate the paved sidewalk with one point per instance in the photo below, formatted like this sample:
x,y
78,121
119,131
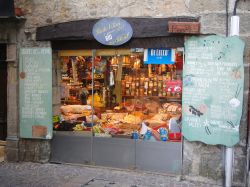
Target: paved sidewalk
x,y
28,174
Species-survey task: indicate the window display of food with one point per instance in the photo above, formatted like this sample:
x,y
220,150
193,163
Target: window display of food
x,y
130,99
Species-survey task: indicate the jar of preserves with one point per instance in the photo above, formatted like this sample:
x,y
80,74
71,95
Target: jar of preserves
x,y
141,81
151,84
168,76
146,84
141,92
127,84
137,82
133,85
137,92
155,91
155,83
169,94
159,85
127,92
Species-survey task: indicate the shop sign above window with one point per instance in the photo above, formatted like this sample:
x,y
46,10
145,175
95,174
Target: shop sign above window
x,y
184,27
159,56
112,31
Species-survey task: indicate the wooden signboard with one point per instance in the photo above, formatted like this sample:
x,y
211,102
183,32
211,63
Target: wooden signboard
x,y
213,85
35,93
184,27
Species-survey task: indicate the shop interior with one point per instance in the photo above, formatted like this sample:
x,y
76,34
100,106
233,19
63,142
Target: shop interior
x,y
115,93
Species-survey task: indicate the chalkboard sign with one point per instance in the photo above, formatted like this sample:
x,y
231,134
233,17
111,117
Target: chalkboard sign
x,y
112,31
35,93
213,80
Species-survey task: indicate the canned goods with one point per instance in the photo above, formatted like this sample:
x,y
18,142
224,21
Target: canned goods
x,y
163,134
135,135
147,135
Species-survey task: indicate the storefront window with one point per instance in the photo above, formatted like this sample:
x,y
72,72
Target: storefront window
x,y
124,98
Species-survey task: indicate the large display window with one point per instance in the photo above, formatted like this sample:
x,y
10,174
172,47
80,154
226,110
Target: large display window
x,y
113,93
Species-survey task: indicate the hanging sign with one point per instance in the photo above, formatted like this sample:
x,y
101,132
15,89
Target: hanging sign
x,y
213,84
35,93
159,56
112,31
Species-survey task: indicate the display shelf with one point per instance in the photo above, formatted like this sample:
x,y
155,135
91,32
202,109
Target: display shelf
x,y
91,78
70,102
93,89
172,98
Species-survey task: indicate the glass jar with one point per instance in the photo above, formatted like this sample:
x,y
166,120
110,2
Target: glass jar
x,y
141,92
155,91
137,92
146,85
159,84
128,84
133,85
141,81
151,84
127,92
137,83
168,76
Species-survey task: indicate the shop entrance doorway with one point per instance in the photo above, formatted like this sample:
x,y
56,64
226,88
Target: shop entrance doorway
x,y
117,110
3,92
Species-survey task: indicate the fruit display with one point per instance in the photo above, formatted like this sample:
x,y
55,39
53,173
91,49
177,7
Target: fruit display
x,y
97,129
79,127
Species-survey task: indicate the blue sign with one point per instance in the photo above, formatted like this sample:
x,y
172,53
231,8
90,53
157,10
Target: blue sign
x,y
159,56
112,31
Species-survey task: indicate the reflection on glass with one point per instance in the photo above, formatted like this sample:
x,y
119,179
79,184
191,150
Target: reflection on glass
x,y
131,99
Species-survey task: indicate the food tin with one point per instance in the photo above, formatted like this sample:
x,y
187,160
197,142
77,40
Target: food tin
x,y
163,134
135,135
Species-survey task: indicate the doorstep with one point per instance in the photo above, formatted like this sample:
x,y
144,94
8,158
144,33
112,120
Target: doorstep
x,y
2,153
2,150
2,143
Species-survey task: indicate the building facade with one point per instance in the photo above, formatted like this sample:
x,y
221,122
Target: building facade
x,y
200,161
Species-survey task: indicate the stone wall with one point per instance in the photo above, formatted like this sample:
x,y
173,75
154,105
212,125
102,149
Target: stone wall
x,y
200,160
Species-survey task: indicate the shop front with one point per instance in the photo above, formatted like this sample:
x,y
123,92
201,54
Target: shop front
x,y
132,103
118,106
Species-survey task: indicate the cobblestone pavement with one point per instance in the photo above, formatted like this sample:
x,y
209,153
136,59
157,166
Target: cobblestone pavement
x,y
28,174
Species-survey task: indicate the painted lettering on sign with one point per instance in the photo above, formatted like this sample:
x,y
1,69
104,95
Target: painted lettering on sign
x,y
159,52
35,93
213,82
159,56
112,31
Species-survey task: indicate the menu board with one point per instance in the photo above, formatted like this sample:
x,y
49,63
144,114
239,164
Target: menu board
x,y
213,84
35,93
